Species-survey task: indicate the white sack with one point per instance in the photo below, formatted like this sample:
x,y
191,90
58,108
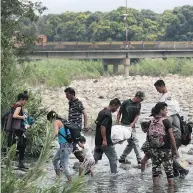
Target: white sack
x,y
120,133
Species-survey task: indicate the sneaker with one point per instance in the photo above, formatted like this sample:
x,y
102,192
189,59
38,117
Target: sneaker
x,y
183,173
124,161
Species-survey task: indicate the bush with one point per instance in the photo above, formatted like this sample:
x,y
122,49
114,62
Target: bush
x,y
55,72
156,67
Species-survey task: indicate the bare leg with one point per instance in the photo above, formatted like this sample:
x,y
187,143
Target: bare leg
x,y
170,181
91,172
156,181
143,163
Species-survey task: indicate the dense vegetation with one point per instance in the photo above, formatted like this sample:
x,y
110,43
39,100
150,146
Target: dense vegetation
x,y
171,25
12,73
58,72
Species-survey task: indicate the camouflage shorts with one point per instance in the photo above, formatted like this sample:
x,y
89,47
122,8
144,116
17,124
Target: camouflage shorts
x,y
164,157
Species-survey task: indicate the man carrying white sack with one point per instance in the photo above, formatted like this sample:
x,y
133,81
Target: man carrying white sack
x,y
129,114
120,133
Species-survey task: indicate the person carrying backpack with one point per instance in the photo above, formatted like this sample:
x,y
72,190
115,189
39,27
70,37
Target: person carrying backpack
x,y
162,144
14,125
65,142
177,125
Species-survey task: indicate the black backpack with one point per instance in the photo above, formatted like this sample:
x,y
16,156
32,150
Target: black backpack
x,y
186,129
73,128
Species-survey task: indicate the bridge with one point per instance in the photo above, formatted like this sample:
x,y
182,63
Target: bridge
x,y
112,53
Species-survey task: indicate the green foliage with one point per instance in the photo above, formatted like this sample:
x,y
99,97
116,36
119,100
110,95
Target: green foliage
x,y
171,25
29,183
156,67
57,72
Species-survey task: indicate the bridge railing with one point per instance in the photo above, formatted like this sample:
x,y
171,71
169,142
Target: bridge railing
x,y
132,45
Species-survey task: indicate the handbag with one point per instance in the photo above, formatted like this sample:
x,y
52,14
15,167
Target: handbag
x,y
17,124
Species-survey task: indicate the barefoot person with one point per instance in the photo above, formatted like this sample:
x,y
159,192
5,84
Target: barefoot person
x,y
89,162
162,144
65,149
174,117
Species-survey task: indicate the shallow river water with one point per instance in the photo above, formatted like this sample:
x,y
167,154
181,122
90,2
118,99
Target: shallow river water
x,y
128,178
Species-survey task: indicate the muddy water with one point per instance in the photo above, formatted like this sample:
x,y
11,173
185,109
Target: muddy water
x,y
128,178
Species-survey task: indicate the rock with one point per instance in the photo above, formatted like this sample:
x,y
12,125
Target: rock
x,y
190,152
76,165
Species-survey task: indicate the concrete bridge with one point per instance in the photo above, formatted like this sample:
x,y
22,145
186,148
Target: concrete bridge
x,y
111,57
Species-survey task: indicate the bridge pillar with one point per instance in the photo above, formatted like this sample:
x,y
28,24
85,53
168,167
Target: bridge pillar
x,y
105,66
126,66
115,69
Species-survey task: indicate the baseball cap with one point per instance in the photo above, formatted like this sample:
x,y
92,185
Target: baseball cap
x,y
140,94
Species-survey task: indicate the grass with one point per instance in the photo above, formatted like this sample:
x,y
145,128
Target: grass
x,y
58,72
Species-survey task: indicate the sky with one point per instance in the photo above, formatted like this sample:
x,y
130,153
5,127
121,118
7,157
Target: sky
x,y
158,6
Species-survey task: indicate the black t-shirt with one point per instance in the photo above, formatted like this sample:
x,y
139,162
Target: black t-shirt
x,y
104,119
129,110
167,124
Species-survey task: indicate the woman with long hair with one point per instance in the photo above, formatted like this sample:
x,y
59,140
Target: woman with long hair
x,y
65,142
18,128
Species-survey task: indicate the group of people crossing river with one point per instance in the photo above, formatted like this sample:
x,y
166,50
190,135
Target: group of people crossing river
x,y
163,129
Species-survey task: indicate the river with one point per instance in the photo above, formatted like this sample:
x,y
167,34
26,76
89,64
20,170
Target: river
x,y
129,178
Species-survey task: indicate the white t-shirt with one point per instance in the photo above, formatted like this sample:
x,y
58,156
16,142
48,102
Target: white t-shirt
x,y
87,152
173,105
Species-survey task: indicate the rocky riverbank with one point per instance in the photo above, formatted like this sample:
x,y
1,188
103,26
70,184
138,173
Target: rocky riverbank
x,y
96,93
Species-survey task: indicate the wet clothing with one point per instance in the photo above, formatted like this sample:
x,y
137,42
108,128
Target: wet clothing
x,y
63,152
133,143
89,161
129,110
162,156
62,155
110,153
75,112
104,119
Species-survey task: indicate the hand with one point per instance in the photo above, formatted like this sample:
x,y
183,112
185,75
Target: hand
x,y
85,129
27,126
24,117
176,154
132,125
104,144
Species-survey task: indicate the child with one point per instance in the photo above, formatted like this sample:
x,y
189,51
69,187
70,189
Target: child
x,y
89,161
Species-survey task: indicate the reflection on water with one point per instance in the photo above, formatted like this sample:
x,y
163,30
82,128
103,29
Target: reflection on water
x,y
127,180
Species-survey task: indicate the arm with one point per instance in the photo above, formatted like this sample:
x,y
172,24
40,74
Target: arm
x,y
134,121
16,114
118,116
103,133
85,118
173,142
81,145
56,127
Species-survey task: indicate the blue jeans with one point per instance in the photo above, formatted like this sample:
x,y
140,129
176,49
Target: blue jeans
x,y
62,155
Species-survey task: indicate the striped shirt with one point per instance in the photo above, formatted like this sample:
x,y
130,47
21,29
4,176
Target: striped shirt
x,y
75,112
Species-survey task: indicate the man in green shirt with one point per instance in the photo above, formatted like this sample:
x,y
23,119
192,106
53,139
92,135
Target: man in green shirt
x,y
129,113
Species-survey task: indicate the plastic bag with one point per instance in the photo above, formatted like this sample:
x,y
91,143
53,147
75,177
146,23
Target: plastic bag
x,y
120,133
